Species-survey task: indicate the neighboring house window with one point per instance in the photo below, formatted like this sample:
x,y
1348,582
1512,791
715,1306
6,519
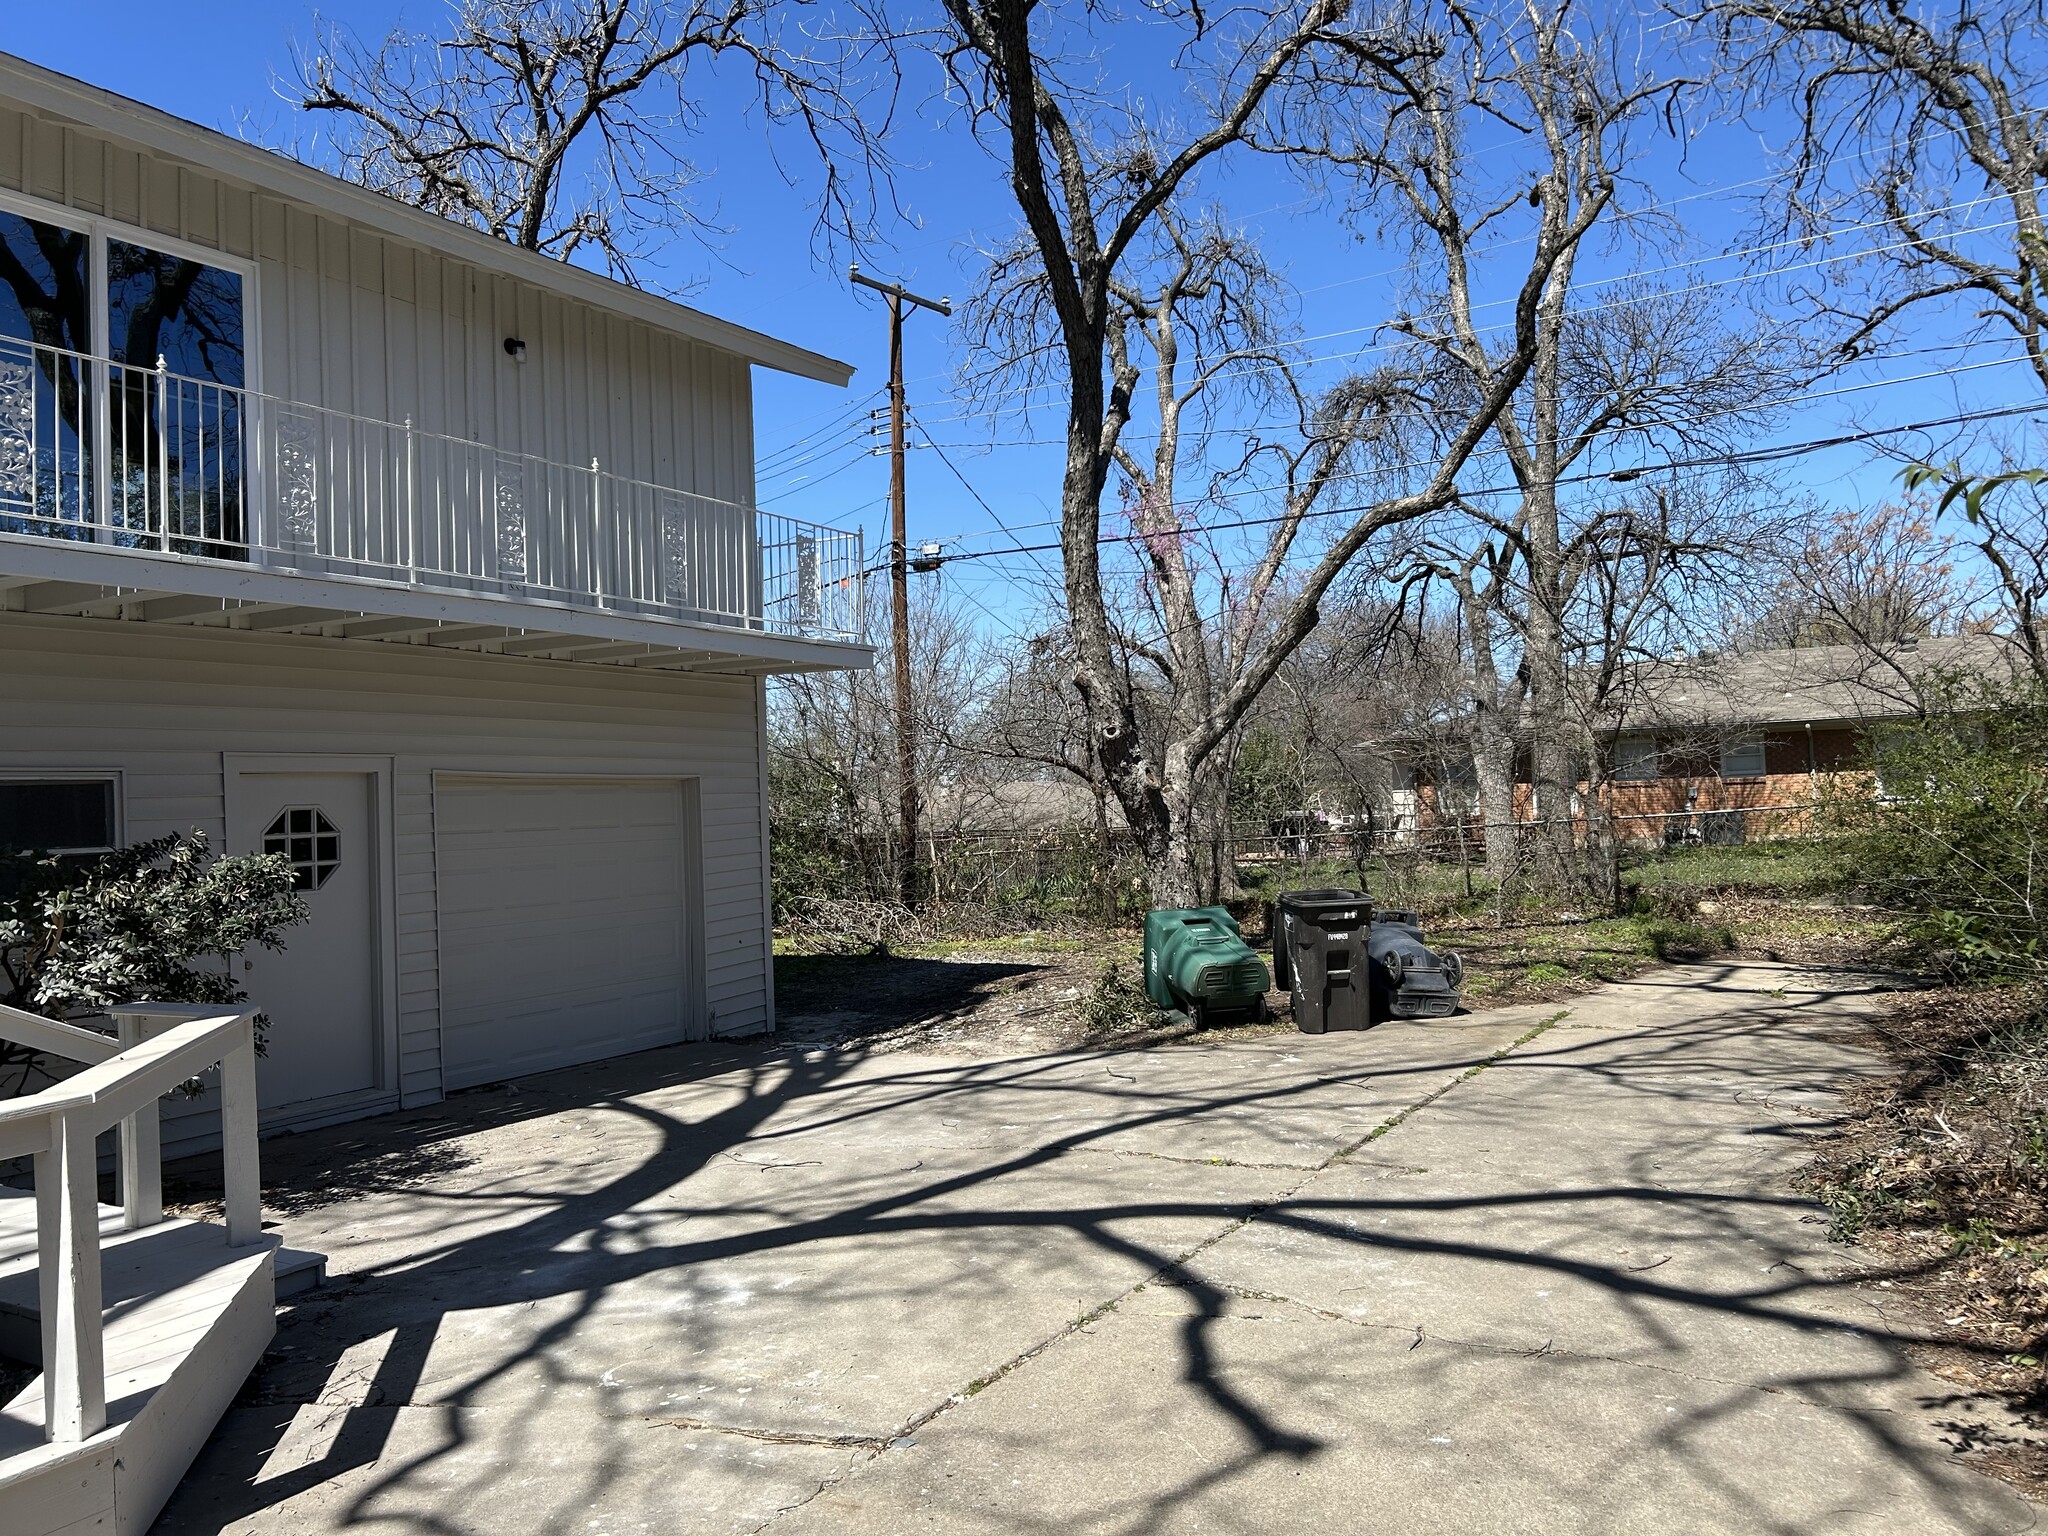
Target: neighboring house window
x,y
304,836
1457,790
61,816
1742,760
1635,758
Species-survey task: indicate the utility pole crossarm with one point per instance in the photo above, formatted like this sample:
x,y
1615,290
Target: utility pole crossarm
x,y
898,292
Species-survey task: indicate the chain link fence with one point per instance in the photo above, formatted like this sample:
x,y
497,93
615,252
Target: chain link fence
x,y
1078,875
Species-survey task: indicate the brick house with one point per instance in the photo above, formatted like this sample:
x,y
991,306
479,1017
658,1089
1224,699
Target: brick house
x,y
1729,746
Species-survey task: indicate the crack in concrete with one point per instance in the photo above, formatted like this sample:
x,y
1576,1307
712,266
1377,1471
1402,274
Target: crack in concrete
x,y
1463,1077
1197,1162
1159,1276
1546,1350
869,1443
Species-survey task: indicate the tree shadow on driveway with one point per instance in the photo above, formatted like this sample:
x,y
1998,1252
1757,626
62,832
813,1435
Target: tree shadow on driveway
x,y
816,1255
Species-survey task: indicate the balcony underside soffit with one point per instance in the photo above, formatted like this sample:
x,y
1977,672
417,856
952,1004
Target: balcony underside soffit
x,y
700,649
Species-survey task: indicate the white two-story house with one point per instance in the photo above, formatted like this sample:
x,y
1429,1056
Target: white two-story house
x,y
336,530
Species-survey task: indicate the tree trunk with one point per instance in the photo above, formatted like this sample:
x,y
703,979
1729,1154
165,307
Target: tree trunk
x,y
1551,768
1171,854
1493,764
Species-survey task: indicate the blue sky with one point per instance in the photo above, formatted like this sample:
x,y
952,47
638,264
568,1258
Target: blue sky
x,y
223,73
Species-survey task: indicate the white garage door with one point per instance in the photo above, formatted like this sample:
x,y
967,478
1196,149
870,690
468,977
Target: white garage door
x,y
562,922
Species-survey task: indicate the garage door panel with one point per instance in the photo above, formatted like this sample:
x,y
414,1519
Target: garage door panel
x,y
562,908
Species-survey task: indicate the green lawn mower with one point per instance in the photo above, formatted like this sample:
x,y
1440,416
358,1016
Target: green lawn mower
x,y
1196,961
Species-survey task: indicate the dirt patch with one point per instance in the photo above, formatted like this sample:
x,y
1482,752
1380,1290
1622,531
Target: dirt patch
x,y
1940,1174
1011,994
1812,932
979,997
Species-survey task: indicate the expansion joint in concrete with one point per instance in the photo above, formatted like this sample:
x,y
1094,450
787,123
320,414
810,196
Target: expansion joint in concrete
x,y
1466,1076
1166,1273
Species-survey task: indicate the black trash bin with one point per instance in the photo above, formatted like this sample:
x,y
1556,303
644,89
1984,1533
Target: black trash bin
x,y
1319,940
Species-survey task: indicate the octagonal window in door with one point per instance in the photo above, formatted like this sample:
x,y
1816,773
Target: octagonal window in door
x,y
309,841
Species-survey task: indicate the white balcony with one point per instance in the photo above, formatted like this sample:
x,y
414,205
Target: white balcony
x,y
137,493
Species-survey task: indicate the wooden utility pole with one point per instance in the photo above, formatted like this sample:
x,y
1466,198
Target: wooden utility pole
x,y
911,887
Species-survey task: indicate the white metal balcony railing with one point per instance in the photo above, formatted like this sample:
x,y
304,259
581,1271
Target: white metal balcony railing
x,y
143,459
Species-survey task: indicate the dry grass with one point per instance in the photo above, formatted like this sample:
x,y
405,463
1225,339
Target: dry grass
x,y
1941,1174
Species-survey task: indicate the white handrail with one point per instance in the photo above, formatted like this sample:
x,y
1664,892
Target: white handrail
x,y
142,1199
60,1125
55,1038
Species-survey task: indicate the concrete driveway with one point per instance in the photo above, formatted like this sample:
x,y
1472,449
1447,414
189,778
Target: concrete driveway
x,y
1506,1272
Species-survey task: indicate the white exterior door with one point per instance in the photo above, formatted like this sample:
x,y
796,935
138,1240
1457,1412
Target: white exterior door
x,y
321,993
562,922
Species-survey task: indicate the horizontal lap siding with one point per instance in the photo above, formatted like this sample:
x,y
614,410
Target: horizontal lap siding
x,y
351,319
161,704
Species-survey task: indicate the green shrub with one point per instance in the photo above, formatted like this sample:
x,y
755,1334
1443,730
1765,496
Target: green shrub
x,y
1958,836
1668,939
1117,1003
159,921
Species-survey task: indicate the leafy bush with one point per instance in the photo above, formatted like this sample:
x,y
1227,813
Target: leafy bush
x,y
1958,835
1117,1003
157,921
1669,939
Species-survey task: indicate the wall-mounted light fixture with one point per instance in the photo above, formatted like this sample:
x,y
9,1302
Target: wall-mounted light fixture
x,y
515,349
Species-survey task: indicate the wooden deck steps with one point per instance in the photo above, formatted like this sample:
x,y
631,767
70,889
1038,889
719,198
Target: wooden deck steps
x,y
186,1319
296,1269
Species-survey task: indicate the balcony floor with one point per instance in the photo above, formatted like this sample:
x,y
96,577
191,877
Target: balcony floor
x,y
48,576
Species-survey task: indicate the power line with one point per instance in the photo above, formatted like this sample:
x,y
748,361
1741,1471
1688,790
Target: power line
x,y
991,511
1203,434
1498,452
1728,460
811,483
1361,351
803,433
1822,261
776,464
1661,205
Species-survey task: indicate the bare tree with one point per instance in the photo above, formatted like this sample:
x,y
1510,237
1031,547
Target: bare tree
x,y
1916,121
1481,574
1919,124
1659,563
1634,371
557,126
1094,178
832,756
1876,579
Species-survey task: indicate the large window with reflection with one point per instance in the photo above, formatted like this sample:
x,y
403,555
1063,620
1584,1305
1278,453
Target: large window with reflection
x,y
122,417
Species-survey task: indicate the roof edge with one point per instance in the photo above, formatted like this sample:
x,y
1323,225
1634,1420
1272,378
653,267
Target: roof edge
x,y
154,130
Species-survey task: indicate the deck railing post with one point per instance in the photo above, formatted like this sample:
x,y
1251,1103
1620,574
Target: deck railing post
x,y
142,1169
68,1231
241,1177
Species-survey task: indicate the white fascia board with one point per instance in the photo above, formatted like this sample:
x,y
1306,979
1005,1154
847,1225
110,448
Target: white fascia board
x,y
146,128
149,574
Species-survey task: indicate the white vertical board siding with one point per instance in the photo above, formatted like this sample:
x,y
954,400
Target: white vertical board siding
x,y
161,705
356,321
